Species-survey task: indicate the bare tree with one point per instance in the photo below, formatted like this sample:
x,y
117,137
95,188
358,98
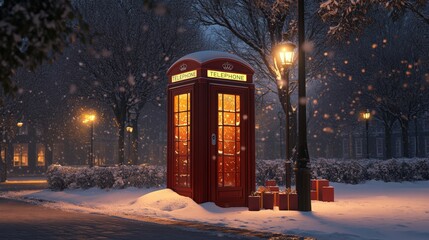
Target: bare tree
x,y
54,25
382,70
252,29
133,47
348,17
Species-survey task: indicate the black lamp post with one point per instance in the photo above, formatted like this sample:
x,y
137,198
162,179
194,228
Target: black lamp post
x,y
367,115
90,118
279,115
302,171
284,57
129,130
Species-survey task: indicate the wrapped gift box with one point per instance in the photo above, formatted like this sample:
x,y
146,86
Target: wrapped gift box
x,y
275,190
327,194
313,184
270,183
254,203
268,200
288,201
313,195
320,183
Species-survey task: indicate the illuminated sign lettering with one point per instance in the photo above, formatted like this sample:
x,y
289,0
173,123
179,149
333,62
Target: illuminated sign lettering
x,y
227,75
184,76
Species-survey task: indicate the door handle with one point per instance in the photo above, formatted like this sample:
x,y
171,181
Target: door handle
x,y
213,139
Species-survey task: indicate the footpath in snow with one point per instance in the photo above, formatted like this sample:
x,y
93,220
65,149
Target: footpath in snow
x,y
374,210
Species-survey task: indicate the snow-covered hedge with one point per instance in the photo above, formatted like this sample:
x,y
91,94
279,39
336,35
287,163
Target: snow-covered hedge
x,y
351,171
62,177
335,170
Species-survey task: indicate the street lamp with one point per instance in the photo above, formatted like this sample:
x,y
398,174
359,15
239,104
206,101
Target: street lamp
x,y
129,129
366,115
283,58
302,171
19,124
90,118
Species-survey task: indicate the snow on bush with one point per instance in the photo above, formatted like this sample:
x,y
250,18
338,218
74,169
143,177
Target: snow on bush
x,y
335,170
62,177
351,171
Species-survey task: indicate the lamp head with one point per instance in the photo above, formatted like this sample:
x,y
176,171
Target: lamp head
x,y
284,53
366,115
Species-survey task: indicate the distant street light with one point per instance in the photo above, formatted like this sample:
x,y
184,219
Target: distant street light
x,y
129,129
283,58
366,115
90,118
19,124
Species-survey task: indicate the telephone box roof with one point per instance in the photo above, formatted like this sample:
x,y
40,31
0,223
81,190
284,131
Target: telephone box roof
x,y
203,57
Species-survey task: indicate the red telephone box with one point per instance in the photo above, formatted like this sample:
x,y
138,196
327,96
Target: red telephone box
x,y
211,128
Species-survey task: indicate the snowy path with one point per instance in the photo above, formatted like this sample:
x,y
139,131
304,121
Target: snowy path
x,y
374,210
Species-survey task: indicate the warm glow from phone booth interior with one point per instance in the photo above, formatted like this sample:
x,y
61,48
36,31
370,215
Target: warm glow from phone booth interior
x,y
182,140
228,161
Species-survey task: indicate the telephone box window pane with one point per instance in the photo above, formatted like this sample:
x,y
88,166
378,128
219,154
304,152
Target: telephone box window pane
x,y
176,119
220,147
176,104
228,159
229,148
229,164
183,118
229,180
183,103
220,165
229,133
229,103
182,140
229,119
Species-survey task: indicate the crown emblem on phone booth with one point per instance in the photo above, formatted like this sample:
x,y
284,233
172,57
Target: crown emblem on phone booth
x,y
227,66
183,67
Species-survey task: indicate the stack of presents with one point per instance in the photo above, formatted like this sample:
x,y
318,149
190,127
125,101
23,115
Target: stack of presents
x,y
320,190
269,196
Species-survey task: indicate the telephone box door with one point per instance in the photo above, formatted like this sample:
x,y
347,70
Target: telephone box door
x,y
228,144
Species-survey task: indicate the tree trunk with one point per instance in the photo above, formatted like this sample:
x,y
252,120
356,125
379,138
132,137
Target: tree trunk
x,y
121,143
405,142
388,142
135,141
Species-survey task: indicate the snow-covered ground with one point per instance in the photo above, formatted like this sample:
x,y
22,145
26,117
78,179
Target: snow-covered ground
x,y
374,210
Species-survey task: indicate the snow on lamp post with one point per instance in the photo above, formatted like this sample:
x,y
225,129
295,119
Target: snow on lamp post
x,y
90,118
129,129
366,115
284,53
